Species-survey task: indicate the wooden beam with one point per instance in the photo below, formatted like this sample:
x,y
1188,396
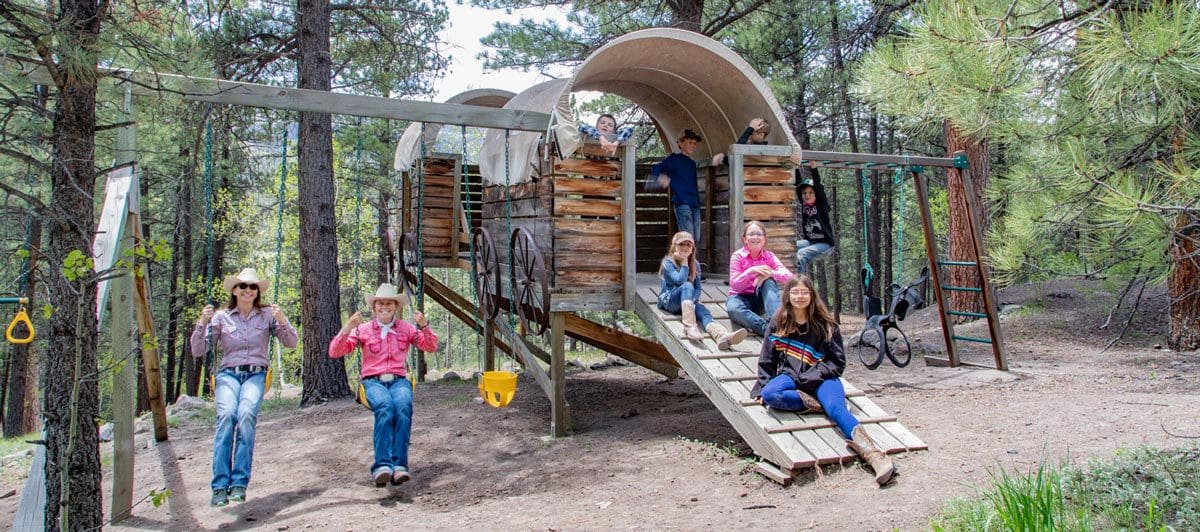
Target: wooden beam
x,y
629,223
760,150
922,185
124,333
989,298
560,416
820,157
736,208
271,97
650,355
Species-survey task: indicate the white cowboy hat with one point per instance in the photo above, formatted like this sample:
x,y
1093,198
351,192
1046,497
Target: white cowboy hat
x,y
387,291
248,276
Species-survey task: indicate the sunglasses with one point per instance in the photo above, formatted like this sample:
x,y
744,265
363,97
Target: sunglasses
x,y
244,286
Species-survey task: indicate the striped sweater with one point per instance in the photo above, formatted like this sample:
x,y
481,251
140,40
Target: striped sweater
x,y
807,358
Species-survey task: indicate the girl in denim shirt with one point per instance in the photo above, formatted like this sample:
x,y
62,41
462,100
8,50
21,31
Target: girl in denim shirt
x,y
680,293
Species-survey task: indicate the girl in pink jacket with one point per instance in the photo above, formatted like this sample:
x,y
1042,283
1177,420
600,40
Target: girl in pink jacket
x,y
754,278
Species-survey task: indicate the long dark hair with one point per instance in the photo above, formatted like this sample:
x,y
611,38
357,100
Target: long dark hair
x,y
784,323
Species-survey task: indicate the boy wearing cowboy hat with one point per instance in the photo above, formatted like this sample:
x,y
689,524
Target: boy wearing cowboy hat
x,y
678,171
385,341
242,329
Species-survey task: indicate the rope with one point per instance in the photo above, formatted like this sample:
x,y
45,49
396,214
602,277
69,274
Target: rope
x,y
210,356
870,272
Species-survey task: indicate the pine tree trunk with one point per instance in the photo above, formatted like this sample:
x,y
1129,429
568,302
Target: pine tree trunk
x,y
1183,287
688,14
883,280
861,253
188,377
72,446
20,417
324,378
960,228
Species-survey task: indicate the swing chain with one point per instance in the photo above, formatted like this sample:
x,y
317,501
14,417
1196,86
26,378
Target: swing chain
x,y
898,181
210,355
869,274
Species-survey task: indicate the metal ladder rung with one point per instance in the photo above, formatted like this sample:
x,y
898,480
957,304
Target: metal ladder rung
x,y
968,314
971,339
962,289
955,263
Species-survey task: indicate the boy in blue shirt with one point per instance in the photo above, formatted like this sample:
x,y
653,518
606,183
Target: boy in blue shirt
x,y
678,171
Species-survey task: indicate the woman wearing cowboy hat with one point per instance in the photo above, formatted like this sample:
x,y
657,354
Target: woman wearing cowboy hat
x,y
385,341
242,329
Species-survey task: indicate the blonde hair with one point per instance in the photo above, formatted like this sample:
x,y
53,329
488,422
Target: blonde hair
x,y
693,265
784,322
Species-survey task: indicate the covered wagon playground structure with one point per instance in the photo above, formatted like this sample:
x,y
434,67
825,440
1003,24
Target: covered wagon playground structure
x,y
549,225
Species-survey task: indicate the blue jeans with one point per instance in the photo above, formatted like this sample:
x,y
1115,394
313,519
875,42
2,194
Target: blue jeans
x,y
672,302
747,309
687,218
238,397
781,394
392,404
806,252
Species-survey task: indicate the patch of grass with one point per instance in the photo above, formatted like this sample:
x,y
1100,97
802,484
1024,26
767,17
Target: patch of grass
x,y
1143,488
273,405
14,445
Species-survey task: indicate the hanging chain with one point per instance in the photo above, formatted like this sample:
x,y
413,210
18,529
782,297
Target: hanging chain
x,y
358,201
870,272
279,246
210,356
512,269
898,181
479,323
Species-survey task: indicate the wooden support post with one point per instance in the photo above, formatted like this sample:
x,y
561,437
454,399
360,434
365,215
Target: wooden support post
x,y
736,208
629,224
934,275
989,298
124,337
710,185
145,321
559,415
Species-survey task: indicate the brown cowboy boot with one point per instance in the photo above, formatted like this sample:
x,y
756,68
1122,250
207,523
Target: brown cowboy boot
x,y
865,447
811,404
725,339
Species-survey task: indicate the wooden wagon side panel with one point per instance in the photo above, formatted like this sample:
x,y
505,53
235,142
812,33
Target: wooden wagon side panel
x,y
655,223
440,210
768,196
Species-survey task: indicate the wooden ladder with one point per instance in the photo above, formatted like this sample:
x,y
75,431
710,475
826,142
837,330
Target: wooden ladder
x,y
984,290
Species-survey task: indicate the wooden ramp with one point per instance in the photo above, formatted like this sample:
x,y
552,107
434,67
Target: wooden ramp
x,y
788,442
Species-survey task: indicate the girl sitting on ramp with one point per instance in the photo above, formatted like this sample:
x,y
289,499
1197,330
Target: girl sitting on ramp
x,y
680,293
800,366
384,341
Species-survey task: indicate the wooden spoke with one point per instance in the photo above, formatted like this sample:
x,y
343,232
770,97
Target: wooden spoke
x,y
531,287
409,262
487,274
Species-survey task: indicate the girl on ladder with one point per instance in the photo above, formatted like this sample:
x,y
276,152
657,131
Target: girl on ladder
x,y
754,277
680,293
242,329
385,341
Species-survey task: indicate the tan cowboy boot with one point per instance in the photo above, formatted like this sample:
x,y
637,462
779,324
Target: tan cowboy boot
x,y
865,447
725,339
811,404
690,330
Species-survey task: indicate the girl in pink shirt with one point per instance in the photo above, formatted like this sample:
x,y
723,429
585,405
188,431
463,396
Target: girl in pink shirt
x,y
754,278
385,341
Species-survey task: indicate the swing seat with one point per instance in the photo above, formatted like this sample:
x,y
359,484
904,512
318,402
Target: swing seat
x,y
498,387
361,397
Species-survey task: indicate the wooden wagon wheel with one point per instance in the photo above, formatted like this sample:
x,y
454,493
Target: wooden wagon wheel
x,y
409,262
531,286
487,274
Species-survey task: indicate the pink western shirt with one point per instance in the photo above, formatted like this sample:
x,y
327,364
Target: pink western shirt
x,y
383,355
243,338
742,282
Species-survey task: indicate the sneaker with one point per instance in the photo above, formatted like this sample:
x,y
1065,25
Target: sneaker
x,y
381,476
400,477
237,494
220,498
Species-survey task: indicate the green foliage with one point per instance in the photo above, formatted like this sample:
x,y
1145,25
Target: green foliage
x,y
1141,489
157,498
77,265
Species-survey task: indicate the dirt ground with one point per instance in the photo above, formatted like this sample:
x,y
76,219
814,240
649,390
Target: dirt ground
x,y
647,453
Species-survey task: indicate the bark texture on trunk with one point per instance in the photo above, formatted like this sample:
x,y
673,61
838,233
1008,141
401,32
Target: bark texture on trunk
x,y
324,378
1184,285
960,228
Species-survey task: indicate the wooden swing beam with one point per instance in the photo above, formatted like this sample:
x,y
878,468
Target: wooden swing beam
x,y
306,100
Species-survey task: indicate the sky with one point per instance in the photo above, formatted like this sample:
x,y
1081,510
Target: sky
x,y
468,24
